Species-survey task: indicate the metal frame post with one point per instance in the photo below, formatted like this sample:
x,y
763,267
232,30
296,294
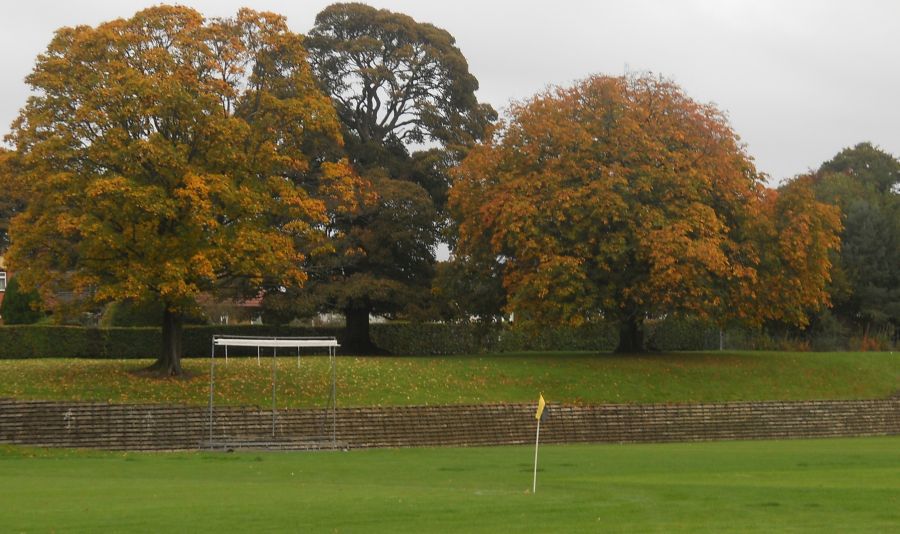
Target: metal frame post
x,y
537,439
274,366
226,341
331,356
212,383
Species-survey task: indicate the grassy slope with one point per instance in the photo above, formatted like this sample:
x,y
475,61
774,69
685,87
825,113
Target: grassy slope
x,y
563,377
844,485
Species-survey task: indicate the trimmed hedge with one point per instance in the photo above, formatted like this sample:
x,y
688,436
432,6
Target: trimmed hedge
x,y
681,333
28,341
21,341
448,339
599,337
432,339
423,339
409,339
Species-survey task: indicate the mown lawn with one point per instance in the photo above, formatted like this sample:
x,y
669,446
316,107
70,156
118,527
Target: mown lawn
x,y
840,485
386,381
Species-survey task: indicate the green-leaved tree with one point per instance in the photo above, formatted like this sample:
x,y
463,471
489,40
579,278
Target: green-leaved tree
x,y
863,182
407,106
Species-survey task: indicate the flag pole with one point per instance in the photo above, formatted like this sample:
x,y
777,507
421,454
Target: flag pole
x,y
539,414
537,438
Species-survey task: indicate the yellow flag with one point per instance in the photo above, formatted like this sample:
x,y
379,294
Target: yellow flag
x,y
540,410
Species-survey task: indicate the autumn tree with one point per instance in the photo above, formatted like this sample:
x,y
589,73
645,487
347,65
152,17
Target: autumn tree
x,y
623,199
407,106
168,155
11,201
795,237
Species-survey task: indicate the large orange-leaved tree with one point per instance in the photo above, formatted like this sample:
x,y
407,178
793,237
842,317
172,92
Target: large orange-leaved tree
x,y
168,155
622,199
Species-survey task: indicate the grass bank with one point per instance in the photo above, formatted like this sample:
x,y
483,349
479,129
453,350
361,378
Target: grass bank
x,y
841,485
585,378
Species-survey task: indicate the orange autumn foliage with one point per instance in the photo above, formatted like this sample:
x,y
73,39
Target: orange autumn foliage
x,y
167,155
794,266
623,198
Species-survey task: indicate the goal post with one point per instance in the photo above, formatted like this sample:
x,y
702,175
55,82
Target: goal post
x,y
298,343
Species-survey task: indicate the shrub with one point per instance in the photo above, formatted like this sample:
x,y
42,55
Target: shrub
x,y
473,338
590,336
827,333
20,307
681,333
33,341
432,339
424,339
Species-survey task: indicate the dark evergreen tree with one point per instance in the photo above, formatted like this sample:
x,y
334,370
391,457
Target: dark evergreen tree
x,y
406,100
863,182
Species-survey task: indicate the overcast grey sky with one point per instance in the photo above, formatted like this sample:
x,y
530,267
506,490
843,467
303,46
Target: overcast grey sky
x,y
799,79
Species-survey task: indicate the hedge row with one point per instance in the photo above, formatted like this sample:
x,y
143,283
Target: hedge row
x,y
29,341
431,339
417,339
446,339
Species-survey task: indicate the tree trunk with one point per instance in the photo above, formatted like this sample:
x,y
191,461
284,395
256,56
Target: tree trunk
x,y
169,362
631,335
356,339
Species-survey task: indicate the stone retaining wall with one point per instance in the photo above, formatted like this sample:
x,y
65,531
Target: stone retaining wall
x,y
155,427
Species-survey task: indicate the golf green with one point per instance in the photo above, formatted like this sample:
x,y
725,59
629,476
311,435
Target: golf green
x,y
842,485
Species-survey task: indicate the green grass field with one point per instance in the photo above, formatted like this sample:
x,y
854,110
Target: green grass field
x,y
839,485
388,381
